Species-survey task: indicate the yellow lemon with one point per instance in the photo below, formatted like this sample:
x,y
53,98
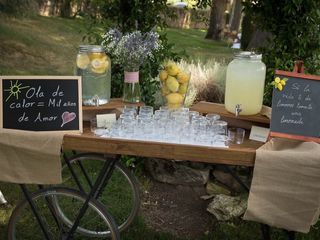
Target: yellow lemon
x,y
83,61
95,55
279,86
277,80
99,65
174,106
172,69
164,90
183,88
172,84
163,75
283,82
183,77
174,98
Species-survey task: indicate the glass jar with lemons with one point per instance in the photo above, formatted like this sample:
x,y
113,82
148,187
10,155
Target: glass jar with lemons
x,y
174,85
94,66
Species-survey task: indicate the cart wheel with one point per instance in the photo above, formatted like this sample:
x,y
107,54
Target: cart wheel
x,y
121,196
23,224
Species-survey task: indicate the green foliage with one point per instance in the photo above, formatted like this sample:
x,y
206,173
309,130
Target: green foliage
x,y
128,16
295,27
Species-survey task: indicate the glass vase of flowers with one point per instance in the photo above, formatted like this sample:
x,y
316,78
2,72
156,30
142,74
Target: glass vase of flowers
x,y
131,50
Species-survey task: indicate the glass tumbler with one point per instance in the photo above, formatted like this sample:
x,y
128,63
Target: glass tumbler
x,y
236,135
221,127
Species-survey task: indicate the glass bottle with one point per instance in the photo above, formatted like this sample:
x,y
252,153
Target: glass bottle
x,y
94,66
245,84
131,86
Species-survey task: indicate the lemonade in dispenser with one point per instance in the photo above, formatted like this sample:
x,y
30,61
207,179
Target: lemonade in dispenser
x,y
245,84
94,66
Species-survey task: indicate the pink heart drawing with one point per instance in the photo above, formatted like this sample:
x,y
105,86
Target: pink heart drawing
x,y
67,117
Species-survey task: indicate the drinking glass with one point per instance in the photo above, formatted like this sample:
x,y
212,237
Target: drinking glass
x,y
130,110
146,110
221,127
236,135
127,115
212,117
193,114
221,140
127,128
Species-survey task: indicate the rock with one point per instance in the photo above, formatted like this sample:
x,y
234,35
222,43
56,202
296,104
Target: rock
x,y
226,179
178,173
213,188
2,199
225,207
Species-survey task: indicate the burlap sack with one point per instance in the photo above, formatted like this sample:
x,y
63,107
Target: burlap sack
x,y
285,190
30,157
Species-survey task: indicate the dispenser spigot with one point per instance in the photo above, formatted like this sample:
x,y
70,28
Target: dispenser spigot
x,y
238,109
95,100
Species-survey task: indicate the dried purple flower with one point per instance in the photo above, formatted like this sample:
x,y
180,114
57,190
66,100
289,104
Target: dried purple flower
x,y
131,49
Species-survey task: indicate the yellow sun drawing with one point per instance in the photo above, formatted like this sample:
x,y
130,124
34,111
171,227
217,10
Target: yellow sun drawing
x,y
15,89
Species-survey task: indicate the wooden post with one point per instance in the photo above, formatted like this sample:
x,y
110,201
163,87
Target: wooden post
x,y
298,66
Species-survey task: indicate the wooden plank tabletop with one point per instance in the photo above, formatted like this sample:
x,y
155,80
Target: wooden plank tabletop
x,y
241,121
208,107
241,155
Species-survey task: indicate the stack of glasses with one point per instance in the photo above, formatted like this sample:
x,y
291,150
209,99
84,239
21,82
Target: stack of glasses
x,y
164,125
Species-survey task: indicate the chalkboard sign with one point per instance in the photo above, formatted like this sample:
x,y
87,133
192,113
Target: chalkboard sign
x,y
41,103
296,106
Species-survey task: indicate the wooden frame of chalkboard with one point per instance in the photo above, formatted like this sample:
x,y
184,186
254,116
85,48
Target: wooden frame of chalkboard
x,y
41,103
296,108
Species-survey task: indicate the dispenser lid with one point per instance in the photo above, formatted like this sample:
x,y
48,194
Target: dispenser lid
x,y
248,55
96,48
91,48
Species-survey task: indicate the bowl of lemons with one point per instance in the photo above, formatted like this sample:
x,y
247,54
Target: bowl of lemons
x,y
174,85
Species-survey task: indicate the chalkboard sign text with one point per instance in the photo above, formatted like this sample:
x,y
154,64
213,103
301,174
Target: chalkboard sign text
x,y
296,106
41,103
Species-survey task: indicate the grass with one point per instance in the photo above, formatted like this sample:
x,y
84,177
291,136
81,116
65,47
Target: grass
x,y
197,47
48,46
38,45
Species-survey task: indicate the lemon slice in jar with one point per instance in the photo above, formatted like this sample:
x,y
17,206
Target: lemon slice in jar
x,y
99,64
82,61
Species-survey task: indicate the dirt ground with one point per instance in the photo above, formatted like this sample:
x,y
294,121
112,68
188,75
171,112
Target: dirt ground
x,y
177,209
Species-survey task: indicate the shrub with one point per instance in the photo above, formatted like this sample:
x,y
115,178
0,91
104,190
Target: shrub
x,y
295,28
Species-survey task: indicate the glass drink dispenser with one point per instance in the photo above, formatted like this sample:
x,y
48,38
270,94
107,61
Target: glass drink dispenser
x,y
95,68
245,84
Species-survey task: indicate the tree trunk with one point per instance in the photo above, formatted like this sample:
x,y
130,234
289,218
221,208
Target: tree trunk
x,y
236,15
259,39
65,10
247,31
52,10
217,19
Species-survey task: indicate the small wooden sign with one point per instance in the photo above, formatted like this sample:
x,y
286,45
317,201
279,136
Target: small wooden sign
x,y
41,103
296,106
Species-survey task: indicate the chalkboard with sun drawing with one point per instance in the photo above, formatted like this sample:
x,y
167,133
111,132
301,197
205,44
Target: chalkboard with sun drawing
x,y
41,103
